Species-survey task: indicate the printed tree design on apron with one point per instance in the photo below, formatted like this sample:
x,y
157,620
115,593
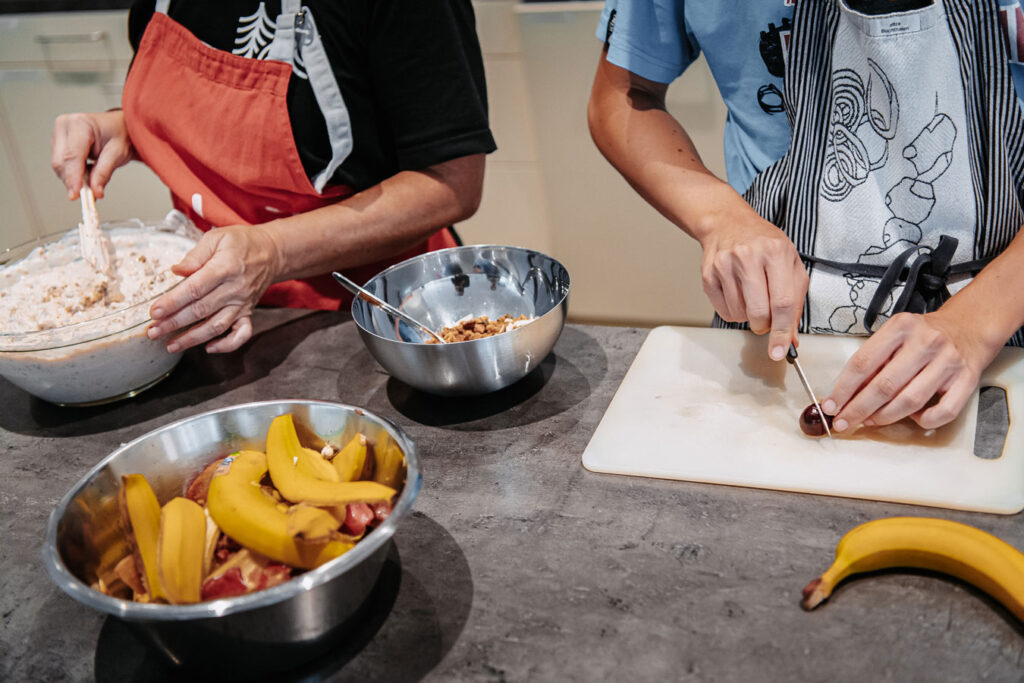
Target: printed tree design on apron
x,y
255,35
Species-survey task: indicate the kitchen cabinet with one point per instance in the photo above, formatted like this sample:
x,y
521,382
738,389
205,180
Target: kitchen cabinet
x,y
49,65
15,227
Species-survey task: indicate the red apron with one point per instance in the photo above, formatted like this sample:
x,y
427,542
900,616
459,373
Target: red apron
x,y
214,127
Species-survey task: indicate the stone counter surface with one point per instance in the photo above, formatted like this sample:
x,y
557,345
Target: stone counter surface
x,y
517,564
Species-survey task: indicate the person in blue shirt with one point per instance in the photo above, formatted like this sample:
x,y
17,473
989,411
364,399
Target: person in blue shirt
x,y
875,160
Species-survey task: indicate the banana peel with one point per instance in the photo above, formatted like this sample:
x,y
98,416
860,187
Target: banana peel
x,y
210,542
389,463
140,519
308,524
350,462
283,450
312,464
253,519
179,554
958,550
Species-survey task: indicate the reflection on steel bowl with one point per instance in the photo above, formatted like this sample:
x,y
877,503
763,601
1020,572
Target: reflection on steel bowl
x,y
282,626
64,338
441,288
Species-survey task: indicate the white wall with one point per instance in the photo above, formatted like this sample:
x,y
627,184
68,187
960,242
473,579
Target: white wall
x,y
548,188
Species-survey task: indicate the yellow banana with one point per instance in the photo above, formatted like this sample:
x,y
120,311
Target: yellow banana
x,y
959,550
351,460
283,449
179,554
245,513
140,517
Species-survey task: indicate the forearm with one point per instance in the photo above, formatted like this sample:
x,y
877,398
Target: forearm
x,y
648,146
992,305
381,221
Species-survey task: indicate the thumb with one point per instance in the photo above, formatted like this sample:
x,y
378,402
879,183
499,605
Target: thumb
x,y
197,256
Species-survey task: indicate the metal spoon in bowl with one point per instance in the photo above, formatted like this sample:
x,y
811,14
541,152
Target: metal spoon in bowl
x,y
384,306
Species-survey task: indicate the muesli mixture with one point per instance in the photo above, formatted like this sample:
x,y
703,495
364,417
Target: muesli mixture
x,y
51,288
480,327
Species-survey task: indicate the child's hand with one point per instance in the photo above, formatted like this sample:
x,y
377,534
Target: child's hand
x,y
921,366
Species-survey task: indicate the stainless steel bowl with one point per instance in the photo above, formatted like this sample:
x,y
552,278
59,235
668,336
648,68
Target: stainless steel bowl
x,y
281,626
442,287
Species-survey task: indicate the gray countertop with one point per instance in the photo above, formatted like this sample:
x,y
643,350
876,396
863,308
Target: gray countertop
x,y
517,564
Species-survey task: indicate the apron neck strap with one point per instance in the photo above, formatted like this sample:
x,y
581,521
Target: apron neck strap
x,y
162,6
297,42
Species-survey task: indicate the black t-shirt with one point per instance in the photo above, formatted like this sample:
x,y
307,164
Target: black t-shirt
x,y
410,72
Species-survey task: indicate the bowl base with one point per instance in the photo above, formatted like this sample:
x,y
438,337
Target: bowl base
x,y
118,397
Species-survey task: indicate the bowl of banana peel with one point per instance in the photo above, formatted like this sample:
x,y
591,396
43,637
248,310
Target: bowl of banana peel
x,y
246,538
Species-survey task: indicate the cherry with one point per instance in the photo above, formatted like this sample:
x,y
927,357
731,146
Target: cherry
x,y
811,422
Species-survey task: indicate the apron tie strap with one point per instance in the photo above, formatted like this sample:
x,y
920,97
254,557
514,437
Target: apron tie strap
x,y
925,279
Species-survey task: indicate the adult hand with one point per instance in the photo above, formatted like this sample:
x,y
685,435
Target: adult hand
x,y
225,275
752,273
912,360
78,138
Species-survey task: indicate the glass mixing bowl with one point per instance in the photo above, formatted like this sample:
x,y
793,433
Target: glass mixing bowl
x,y
97,360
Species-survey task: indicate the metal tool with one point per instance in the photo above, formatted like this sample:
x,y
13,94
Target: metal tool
x,y
791,358
384,306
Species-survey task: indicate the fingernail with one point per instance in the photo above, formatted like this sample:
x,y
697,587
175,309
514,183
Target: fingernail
x,y
157,313
829,406
868,423
172,348
839,426
777,353
152,333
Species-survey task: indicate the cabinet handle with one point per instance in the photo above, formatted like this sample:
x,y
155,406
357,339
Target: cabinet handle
x,y
48,41
92,37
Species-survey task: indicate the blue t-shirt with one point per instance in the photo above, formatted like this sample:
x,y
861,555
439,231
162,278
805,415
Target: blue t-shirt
x,y
745,45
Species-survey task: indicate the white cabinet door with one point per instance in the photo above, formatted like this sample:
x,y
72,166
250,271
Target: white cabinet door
x,y
15,225
50,64
32,100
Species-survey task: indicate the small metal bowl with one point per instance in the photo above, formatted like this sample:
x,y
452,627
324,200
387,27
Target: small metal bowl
x,y
441,288
283,626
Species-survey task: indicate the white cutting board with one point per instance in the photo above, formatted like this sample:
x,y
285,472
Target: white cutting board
x,y
707,405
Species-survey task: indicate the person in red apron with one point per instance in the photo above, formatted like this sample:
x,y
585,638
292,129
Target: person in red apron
x,y
895,210
289,176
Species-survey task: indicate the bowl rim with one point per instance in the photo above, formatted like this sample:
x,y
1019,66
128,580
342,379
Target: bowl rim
x,y
138,611
464,247
23,342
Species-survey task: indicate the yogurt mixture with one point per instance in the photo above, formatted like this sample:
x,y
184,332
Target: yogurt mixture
x,y
54,287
